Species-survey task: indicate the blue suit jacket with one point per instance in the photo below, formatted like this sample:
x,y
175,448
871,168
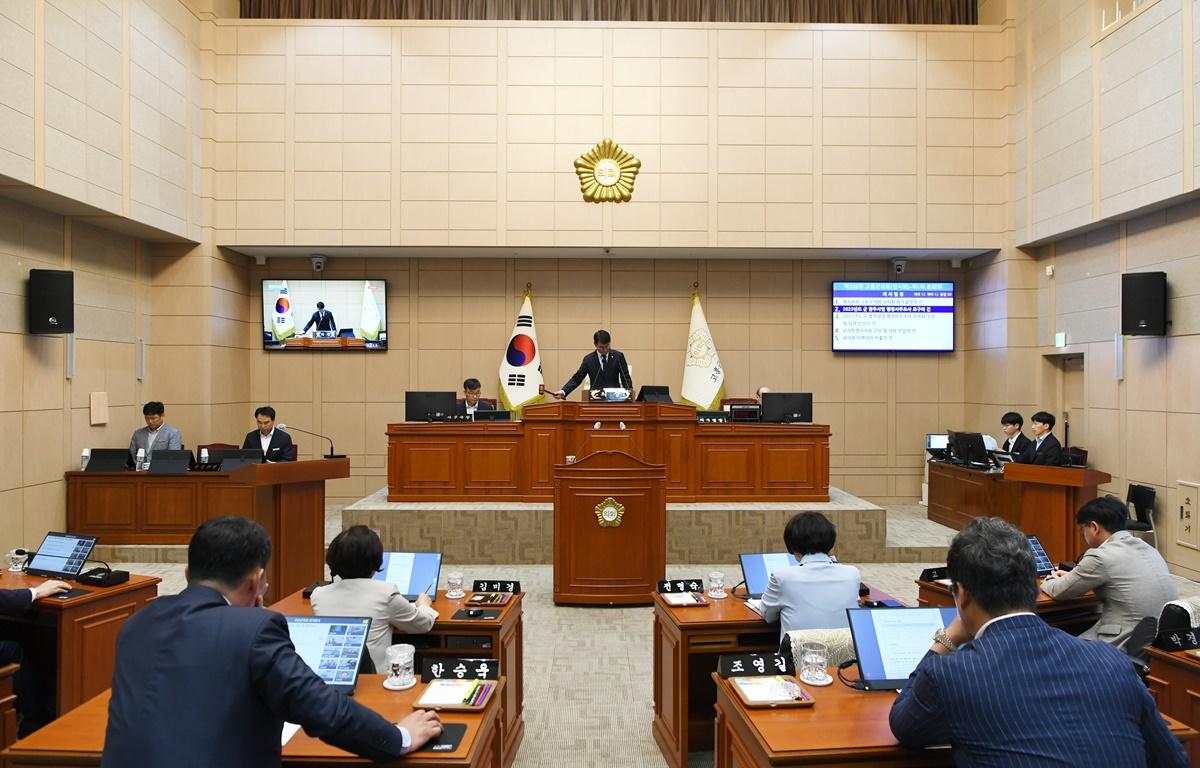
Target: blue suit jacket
x,y
1026,694
199,683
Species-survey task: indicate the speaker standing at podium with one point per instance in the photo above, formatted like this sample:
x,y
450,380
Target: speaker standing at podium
x,y
322,318
605,368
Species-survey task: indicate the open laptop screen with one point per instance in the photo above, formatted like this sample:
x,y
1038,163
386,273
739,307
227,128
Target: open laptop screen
x,y
890,642
412,572
1042,561
758,566
61,555
332,646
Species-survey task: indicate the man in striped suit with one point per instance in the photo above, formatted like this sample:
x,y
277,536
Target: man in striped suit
x,y
1006,689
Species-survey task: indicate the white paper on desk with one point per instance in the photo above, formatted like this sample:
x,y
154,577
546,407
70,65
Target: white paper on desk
x,y
755,605
447,692
289,730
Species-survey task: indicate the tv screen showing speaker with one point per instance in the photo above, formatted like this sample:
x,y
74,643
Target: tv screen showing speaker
x,y
893,317
324,314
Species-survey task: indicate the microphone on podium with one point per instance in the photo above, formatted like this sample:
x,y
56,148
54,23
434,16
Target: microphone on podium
x,y
330,455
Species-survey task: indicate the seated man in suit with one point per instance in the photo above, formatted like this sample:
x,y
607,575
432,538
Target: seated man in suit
x,y
322,318
208,677
156,434
605,368
471,402
1015,441
1005,688
1128,575
815,593
1044,448
275,444
35,702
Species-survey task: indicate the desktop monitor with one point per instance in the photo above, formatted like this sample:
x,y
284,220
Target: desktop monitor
x,y
786,407
61,555
428,406
938,446
232,458
332,646
757,567
654,393
970,449
412,572
109,460
171,462
890,642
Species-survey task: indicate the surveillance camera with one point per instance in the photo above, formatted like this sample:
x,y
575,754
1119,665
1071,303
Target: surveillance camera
x,y
899,265
318,263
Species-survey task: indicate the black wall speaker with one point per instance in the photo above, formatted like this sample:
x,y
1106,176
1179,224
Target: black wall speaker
x,y
1144,303
51,301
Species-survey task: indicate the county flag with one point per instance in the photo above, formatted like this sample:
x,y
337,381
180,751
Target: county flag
x,y
703,377
283,325
371,322
521,367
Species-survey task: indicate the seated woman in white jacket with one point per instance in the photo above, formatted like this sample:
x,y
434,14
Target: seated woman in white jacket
x,y
815,593
354,557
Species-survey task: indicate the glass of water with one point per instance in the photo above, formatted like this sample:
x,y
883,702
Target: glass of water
x,y
16,562
400,672
454,585
814,663
716,585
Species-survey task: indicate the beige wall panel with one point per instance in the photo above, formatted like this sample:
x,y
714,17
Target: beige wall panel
x,y
1145,455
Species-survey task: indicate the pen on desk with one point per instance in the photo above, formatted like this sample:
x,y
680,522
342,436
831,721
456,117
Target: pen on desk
x,y
470,692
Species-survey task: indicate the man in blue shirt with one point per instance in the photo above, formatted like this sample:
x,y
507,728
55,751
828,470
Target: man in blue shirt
x,y
1006,689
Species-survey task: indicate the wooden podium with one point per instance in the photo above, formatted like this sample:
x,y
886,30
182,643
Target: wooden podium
x,y
609,527
1050,496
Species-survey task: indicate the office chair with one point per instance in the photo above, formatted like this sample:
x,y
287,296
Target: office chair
x,y
1135,647
1141,499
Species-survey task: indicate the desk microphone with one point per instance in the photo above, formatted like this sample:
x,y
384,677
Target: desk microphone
x,y
330,455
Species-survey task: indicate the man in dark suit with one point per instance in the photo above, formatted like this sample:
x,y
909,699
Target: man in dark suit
x,y
471,402
275,444
1004,688
1015,441
34,704
1044,448
322,319
605,368
208,677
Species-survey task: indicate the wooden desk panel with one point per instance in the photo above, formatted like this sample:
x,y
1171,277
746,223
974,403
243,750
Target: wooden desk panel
x,y
1175,684
78,738
958,495
1074,615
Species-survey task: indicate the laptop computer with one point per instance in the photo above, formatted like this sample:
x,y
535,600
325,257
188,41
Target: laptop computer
x,y
332,646
109,460
1042,561
758,566
493,415
233,458
412,572
890,642
61,555
167,462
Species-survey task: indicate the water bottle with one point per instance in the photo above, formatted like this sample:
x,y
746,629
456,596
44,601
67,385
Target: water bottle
x,y
140,462
84,458
203,455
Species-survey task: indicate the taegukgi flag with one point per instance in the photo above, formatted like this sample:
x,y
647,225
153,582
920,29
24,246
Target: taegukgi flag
x,y
521,367
703,376
370,323
283,325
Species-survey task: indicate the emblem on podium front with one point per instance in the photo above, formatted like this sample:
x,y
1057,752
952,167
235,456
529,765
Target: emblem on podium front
x,y
609,513
606,173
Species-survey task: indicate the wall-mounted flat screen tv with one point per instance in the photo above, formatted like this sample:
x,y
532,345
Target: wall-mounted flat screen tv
x,y
324,314
893,317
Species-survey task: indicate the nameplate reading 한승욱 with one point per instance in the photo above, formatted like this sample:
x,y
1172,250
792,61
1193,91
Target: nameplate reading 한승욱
x,y
495,585
670,586
444,668
752,664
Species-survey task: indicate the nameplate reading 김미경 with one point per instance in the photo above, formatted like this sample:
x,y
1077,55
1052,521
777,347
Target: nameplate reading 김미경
x,y
447,668
668,586
495,585
751,664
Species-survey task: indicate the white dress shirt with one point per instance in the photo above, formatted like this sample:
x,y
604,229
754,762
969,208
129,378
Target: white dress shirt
x,y
990,622
266,440
151,436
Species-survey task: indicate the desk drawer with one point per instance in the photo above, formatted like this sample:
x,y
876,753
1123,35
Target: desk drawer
x,y
475,642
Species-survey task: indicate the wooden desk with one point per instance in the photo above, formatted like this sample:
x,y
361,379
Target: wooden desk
x,y
78,738
1074,615
501,639
1175,684
288,499
845,728
514,461
76,639
8,706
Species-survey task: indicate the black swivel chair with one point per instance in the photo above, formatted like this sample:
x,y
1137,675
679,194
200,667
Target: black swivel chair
x,y
1135,647
1140,499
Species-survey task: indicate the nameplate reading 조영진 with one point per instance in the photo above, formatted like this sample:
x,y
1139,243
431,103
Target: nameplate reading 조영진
x,y
751,664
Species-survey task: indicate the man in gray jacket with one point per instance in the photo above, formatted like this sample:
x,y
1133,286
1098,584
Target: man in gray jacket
x,y
1128,575
156,434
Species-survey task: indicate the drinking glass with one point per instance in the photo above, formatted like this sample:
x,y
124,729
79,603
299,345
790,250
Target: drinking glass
x,y
16,563
716,585
400,674
814,661
454,585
